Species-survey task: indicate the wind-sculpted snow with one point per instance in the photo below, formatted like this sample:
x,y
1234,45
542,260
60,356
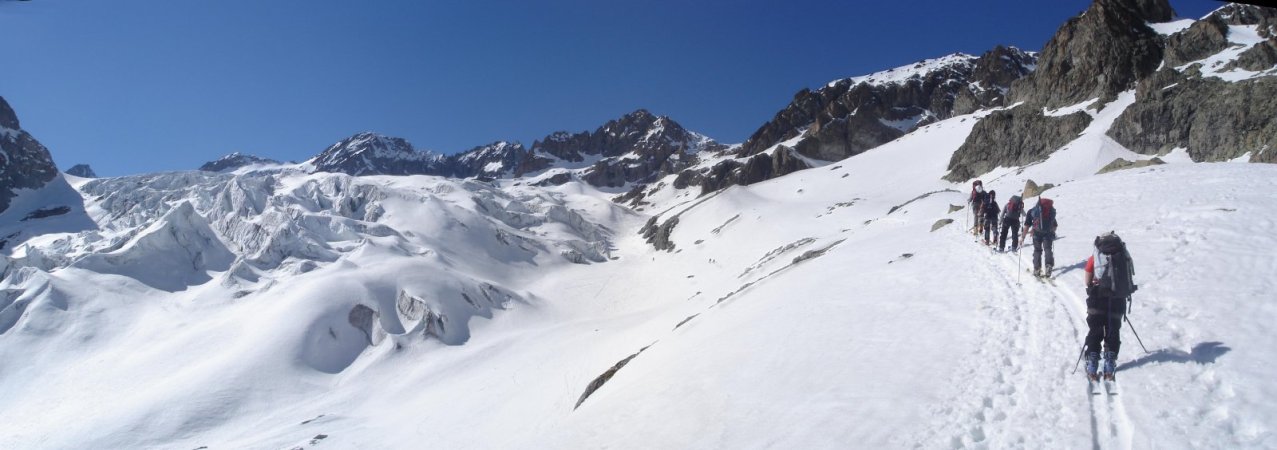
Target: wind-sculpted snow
x,y
356,263
176,251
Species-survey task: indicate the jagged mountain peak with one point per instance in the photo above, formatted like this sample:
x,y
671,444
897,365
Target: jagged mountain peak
x,y
912,71
234,161
1097,54
1150,10
24,162
369,153
851,115
82,171
8,118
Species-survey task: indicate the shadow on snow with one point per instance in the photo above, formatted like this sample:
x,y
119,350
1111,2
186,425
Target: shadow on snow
x,y
1203,353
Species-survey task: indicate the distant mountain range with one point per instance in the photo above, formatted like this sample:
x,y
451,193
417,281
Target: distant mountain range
x,y
1204,86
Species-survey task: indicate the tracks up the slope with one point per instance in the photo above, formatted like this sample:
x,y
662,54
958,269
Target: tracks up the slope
x,y
1016,389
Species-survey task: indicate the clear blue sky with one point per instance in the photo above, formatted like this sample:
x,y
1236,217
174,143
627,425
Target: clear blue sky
x,y
135,86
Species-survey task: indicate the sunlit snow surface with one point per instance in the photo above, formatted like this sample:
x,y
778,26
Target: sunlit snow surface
x,y
862,346
271,308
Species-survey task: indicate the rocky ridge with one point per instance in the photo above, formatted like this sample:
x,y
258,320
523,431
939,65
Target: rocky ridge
x,y
234,161
638,147
1205,87
374,154
24,162
1098,54
851,115
82,171
1218,109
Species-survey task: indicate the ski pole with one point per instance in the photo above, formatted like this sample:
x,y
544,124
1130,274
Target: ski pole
x,y
1017,260
1079,357
1137,335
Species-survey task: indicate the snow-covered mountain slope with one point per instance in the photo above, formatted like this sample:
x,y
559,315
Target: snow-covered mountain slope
x,y
813,310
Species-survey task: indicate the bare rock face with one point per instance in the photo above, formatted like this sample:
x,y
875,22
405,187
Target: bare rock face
x,y
1013,137
1100,53
82,171
940,224
1214,119
757,168
1122,164
496,160
638,147
375,154
852,115
1204,38
365,319
233,161
1031,189
24,162
1239,14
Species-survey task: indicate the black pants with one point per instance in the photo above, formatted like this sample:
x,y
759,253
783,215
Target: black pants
x,y
1104,320
1012,225
990,229
1043,243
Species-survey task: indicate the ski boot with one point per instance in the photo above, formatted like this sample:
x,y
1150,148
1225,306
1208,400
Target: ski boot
x,y
1092,366
1110,365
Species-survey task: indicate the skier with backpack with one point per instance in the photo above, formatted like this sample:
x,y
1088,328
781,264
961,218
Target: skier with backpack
x,y
990,219
1109,285
1041,222
976,201
1010,222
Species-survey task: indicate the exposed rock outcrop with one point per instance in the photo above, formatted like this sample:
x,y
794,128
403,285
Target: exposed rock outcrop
x,y
1215,120
1122,164
374,154
757,168
940,224
1031,189
496,160
1100,53
1013,137
24,162
82,171
659,234
234,161
1204,38
638,147
852,115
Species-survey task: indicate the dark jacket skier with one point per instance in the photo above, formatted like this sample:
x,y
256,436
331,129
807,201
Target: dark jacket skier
x,y
1010,223
976,201
1040,221
1109,285
990,219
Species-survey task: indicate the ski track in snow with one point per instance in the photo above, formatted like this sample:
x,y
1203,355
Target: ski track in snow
x,y
1037,328
1032,330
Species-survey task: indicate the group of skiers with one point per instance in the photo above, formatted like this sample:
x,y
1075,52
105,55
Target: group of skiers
x,y
1109,279
1039,223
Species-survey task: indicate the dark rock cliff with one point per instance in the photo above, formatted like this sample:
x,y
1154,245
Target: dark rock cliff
x,y
24,162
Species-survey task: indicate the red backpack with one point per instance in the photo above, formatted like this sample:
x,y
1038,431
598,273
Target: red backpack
x,y
1046,218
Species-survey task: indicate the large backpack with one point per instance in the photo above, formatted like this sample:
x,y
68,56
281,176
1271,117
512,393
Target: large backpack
x,y
1117,271
1046,217
1014,206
